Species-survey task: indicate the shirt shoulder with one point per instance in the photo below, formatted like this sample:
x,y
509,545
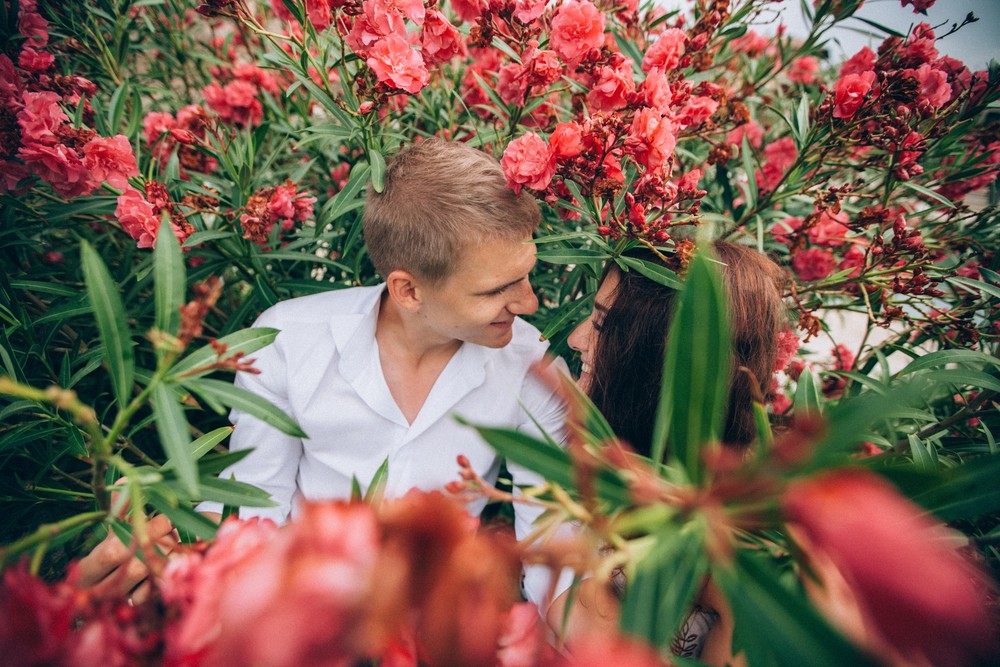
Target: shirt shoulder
x,y
321,308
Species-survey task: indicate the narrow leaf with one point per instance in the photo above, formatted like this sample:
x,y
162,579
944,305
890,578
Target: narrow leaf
x,y
168,279
110,315
245,401
172,427
245,340
808,399
655,272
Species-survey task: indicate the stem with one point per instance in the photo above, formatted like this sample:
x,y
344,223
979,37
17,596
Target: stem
x,y
47,532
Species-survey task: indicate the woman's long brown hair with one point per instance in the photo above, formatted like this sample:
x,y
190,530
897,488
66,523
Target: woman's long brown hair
x,y
628,361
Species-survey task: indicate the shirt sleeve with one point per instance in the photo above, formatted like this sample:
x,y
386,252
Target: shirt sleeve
x,y
549,411
273,463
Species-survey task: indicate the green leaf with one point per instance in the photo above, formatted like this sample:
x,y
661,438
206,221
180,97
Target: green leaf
x,y
377,164
354,189
168,279
244,401
571,256
111,323
695,369
245,340
945,357
978,285
776,626
204,444
968,491
172,427
376,488
964,377
924,455
235,493
552,463
568,312
662,589
927,192
808,399
653,271
185,519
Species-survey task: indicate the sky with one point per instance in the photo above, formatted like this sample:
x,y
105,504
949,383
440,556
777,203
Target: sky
x,y
975,44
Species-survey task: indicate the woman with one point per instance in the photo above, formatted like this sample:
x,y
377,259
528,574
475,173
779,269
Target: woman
x,y
621,346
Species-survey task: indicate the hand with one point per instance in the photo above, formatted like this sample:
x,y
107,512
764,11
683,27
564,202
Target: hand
x,y
112,567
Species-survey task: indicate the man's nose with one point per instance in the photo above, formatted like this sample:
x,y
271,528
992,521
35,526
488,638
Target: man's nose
x,y
525,301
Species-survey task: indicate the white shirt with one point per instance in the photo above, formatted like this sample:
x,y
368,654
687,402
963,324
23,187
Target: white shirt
x,y
324,371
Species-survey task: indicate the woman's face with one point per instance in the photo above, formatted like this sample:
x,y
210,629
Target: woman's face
x,y
584,337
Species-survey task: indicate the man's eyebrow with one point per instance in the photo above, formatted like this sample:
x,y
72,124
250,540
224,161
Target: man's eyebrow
x,y
500,287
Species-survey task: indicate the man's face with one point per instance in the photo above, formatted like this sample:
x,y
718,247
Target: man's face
x,y
489,286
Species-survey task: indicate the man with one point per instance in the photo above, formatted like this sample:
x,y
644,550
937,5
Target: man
x,y
377,374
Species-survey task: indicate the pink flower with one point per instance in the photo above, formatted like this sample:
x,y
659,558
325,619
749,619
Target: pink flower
x,y
512,84
440,41
59,166
261,78
651,138
34,28
752,131
577,27
696,111
155,125
41,118
666,51
830,229
854,259
11,174
782,229
781,153
529,10
33,60
523,642
613,87
862,61
656,91
919,6
934,87
110,159
752,43
849,93
803,70
919,45
868,570
468,10
566,140
788,347
543,66
318,13
137,218
527,162
236,102
397,65
813,264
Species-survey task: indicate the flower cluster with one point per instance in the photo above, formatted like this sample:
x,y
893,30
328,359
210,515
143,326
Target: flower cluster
x,y
184,132
283,205
37,135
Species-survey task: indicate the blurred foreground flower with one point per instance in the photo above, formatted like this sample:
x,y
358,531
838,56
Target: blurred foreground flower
x,y
889,576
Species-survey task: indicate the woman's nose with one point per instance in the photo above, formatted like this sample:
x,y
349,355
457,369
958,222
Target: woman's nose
x,y
580,337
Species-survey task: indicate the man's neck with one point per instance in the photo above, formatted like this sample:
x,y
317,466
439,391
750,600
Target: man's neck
x,y
412,357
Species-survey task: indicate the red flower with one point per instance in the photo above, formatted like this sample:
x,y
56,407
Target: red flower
x,y
934,87
236,102
803,70
469,10
110,159
59,166
813,264
440,41
397,65
752,131
862,61
849,93
696,111
830,229
33,60
652,138
752,43
919,6
577,27
527,11
155,125
896,584
566,140
788,346
666,51
527,161
656,91
137,217
41,118
613,87
512,83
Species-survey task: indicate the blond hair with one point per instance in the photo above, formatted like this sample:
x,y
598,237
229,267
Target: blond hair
x,y
439,198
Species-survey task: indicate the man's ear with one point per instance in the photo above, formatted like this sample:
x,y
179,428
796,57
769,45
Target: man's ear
x,y
404,290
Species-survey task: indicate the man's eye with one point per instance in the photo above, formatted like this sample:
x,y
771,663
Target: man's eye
x,y
499,291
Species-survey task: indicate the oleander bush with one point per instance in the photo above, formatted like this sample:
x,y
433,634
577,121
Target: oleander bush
x,y
171,168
